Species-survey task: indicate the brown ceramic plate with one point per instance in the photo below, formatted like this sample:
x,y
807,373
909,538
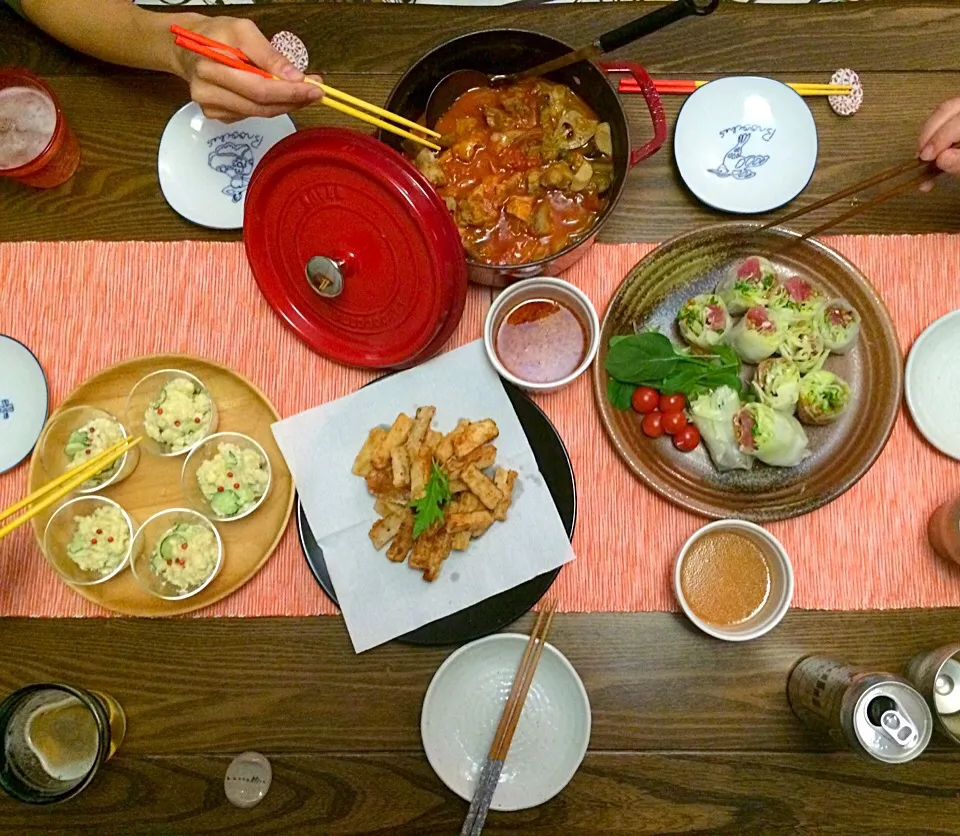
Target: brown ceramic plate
x,y
650,297
155,484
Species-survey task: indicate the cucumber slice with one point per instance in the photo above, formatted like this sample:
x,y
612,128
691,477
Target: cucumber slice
x,y
225,504
168,546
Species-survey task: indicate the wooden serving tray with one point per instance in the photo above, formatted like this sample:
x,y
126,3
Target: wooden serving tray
x,y
155,484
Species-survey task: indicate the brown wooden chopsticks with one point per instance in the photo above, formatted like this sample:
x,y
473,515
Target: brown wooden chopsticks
x,y
493,766
922,172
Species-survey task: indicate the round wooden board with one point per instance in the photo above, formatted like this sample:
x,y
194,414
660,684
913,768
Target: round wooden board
x,y
155,484
842,453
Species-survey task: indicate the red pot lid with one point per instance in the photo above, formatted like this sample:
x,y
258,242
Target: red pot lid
x,y
353,248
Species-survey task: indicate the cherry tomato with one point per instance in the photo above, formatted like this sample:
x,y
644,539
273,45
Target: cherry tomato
x,y
687,439
673,422
645,400
672,403
651,426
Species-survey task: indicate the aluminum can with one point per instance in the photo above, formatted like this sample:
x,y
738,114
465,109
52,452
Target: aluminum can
x,y
936,675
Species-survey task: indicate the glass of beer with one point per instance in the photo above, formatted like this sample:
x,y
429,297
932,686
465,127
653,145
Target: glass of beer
x,y
37,146
55,737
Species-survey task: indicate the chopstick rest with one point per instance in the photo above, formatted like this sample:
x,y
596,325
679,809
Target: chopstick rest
x,y
291,48
849,104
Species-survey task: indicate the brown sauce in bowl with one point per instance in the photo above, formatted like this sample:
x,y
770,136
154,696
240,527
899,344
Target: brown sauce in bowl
x,y
541,341
725,578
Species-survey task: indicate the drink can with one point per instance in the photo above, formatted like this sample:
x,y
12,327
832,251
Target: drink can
x,y
37,145
880,715
936,675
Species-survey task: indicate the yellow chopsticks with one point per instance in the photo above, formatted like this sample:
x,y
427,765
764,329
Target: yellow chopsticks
x,y
58,488
232,57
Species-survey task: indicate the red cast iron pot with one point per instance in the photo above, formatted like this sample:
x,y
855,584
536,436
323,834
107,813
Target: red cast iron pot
x,y
501,51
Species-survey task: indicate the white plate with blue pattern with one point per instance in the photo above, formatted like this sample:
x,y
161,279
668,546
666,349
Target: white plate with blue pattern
x,y
205,165
745,144
23,402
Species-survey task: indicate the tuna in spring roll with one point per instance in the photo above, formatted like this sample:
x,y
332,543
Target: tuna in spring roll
x,y
775,438
712,414
839,325
823,396
798,298
802,343
757,336
704,320
777,383
752,281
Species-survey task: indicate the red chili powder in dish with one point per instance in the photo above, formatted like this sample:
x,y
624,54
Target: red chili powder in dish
x,y
725,578
541,341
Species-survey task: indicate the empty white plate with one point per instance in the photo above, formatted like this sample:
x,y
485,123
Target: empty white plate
x,y
462,709
932,383
23,402
205,165
745,144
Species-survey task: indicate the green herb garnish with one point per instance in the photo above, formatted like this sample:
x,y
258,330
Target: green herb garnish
x,y
650,359
428,509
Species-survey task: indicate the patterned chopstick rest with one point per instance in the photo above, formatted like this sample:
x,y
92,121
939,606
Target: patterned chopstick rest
x,y
292,48
849,104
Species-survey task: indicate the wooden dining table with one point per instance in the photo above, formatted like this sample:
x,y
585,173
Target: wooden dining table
x,y
690,735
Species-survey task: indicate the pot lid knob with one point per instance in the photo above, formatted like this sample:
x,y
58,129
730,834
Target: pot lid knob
x,y
325,276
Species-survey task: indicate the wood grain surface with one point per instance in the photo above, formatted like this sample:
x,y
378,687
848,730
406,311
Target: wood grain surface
x,y
690,735
156,483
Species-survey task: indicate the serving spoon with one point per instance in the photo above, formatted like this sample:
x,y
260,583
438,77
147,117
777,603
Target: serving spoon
x,y
455,84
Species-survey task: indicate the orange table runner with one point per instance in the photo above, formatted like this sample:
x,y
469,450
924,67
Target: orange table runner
x,y
84,306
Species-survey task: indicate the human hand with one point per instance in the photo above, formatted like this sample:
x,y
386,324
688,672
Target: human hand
x,y
227,94
938,137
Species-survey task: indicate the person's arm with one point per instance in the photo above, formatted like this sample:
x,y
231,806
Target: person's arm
x,y
119,32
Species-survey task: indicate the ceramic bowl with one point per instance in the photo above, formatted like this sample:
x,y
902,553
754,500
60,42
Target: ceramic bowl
x,y
207,450
462,708
205,165
545,288
932,383
61,529
23,402
745,144
781,583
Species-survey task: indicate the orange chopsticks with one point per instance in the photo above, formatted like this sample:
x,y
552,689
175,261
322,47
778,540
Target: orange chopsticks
x,y
669,86
232,57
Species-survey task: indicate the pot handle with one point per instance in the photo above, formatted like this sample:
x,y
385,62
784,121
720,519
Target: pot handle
x,y
652,98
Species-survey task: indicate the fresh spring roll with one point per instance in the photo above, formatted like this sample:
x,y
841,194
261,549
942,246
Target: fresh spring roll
x,y
796,299
757,336
802,343
823,396
839,325
752,281
704,320
775,438
712,414
777,383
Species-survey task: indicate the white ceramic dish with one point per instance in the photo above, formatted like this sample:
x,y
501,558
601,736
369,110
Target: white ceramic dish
x,y
542,287
23,402
462,708
745,144
205,165
781,586
932,383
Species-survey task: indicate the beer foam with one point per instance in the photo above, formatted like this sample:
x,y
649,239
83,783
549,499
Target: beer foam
x,y
28,119
64,738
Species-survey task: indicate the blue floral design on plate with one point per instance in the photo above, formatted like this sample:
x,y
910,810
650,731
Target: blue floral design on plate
x,y
6,408
233,156
735,163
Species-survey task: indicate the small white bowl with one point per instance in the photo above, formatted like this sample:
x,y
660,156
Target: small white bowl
x,y
462,708
145,541
781,583
555,290
932,383
60,530
143,394
207,449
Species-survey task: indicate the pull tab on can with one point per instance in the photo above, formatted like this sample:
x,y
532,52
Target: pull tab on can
x,y
899,729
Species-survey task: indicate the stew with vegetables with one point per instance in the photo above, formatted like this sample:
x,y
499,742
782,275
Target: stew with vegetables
x,y
525,169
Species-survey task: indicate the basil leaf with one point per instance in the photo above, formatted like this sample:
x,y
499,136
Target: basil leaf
x,y
620,394
641,359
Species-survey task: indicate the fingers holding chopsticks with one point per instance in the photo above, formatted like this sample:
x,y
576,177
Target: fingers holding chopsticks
x,y
229,94
938,139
